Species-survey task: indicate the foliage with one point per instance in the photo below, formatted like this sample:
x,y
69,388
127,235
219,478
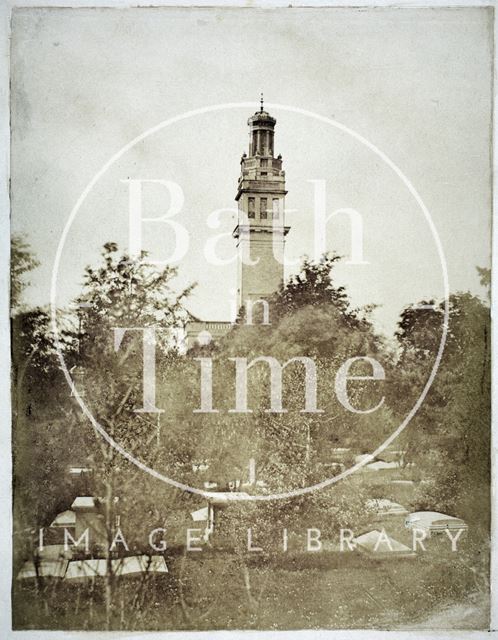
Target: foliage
x,y
450,436
448,440
309,317
21,262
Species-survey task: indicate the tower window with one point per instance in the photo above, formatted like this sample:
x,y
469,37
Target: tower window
x,y
264,174
251,213
275,208
263,205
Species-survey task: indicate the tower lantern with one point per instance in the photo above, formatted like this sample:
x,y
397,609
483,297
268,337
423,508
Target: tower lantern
x,y
261,230
261,133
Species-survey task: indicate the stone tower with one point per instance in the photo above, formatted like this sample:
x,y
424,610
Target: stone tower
x,y
260,232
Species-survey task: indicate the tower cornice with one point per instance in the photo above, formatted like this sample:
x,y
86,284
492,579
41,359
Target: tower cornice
x,y
262,188
246,229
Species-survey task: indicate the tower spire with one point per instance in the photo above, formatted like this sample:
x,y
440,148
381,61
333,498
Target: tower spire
x,y
261,100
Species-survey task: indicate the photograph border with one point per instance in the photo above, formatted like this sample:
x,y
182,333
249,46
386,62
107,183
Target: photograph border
x,y
5,356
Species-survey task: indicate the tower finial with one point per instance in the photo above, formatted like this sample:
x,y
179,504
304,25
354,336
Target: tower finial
x,y
261,103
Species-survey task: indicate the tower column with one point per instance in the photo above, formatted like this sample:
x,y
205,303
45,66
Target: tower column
x,y
260,232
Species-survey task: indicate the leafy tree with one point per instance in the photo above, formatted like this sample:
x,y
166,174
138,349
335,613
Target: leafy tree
x,y
37,425
485,277
21,262
128,294
449,436
309,317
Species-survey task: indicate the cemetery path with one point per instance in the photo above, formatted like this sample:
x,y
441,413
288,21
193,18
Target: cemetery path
x,y
473,614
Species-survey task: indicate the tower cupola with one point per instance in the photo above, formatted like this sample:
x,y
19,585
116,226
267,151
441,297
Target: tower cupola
x,y
261,133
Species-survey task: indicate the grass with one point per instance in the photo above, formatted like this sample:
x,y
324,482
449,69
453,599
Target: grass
x,y
327,590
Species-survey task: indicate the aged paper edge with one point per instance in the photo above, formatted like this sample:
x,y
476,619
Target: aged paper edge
x,y
5,418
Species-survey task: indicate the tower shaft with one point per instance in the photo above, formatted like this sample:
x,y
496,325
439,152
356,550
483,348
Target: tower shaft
x,y
260,232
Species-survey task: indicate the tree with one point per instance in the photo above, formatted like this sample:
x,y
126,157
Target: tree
x,y
449,438
36,426
309,317
124,294
22,262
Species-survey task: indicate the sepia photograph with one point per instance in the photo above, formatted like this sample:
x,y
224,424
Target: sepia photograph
x,y
249,320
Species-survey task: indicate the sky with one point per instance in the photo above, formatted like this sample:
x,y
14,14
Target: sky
x,y
416,83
